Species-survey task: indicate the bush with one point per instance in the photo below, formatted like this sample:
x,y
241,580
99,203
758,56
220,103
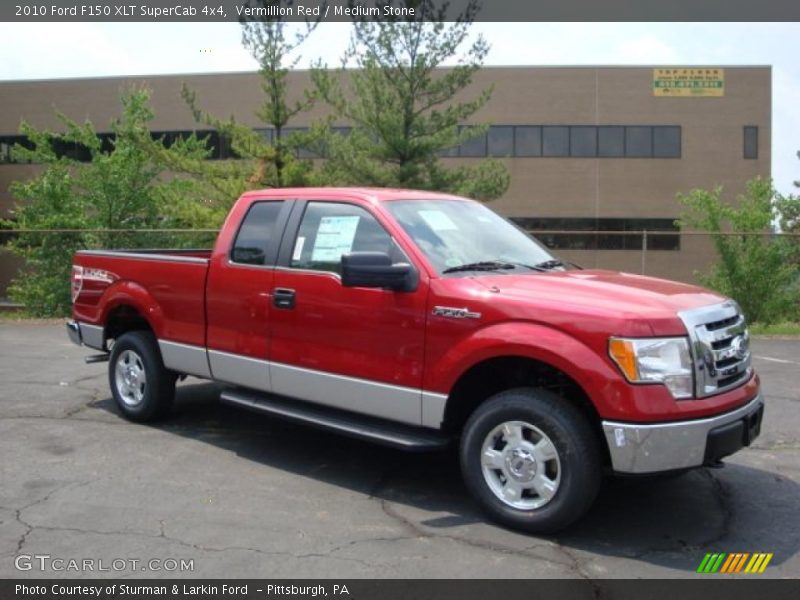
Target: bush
x,y
117,188
755,266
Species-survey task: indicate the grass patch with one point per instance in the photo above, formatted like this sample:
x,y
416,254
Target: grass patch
x,y
783,328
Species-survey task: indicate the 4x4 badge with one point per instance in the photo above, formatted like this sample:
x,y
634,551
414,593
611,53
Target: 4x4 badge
x,y
455,313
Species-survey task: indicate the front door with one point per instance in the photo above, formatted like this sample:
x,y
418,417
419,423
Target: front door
x,y
359,349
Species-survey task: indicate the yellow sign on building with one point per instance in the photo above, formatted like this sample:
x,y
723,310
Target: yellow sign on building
x,y
691,82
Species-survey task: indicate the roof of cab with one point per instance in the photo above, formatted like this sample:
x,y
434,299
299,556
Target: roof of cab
x,y
334,193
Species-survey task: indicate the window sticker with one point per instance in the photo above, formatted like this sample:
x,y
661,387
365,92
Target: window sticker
x,y
298,247
438,220
334,238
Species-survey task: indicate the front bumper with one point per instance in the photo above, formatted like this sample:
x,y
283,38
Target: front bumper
x,y
84,334
650,448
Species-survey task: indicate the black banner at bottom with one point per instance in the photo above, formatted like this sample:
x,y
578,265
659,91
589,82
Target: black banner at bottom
x,y
706,588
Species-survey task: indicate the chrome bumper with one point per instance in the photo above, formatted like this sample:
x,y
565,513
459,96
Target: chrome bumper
x,y
83,334
650,448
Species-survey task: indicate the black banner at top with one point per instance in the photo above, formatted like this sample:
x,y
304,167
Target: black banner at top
x,y
385,10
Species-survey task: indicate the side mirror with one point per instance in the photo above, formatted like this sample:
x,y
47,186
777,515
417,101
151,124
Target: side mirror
x,y
375,270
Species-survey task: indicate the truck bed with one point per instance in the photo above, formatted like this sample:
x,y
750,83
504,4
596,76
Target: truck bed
x,y
172,280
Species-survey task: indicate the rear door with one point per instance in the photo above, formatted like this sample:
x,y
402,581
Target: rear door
x,y
359,349
238,297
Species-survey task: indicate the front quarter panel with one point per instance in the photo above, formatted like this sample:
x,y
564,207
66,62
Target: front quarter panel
x,y
530,340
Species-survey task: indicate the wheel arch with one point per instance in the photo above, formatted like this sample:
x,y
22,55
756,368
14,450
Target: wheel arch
x,y
128,307
505,358
490,376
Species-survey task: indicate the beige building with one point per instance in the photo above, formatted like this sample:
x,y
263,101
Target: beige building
x,y
591,149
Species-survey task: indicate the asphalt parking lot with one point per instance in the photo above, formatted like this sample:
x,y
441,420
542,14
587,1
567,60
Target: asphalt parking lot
x,y
246,496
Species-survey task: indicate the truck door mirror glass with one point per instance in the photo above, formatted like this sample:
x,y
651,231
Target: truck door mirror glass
x,y
375,270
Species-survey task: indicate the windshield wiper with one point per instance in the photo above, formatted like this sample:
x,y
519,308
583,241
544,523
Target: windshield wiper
x,y
484,265
551,264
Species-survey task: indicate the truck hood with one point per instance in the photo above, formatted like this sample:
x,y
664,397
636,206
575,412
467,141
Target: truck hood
x,y
644,302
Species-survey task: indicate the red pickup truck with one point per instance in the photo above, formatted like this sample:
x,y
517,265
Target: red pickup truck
x,y
416,319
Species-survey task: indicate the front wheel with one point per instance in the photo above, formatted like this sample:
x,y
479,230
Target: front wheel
x,y
142,387
531,459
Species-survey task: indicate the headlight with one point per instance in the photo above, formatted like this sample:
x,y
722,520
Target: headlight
x,y
655,360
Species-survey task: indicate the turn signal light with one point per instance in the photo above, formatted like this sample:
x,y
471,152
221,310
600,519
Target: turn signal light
x,y
624,355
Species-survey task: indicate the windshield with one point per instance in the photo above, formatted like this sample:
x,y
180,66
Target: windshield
x,y
455,233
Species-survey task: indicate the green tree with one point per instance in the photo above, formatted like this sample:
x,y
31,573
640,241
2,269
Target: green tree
x,y
84,185
265,158
789,210
753,266
406,106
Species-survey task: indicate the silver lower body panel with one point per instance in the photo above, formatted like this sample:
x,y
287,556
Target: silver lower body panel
x,y
650,448
83,334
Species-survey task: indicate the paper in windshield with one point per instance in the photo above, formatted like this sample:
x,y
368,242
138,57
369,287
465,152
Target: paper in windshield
x,y
438,220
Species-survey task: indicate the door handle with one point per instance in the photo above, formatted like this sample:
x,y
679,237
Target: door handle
x,y
283,298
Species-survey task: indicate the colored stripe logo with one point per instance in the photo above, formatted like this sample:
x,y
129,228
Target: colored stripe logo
x,y
735,562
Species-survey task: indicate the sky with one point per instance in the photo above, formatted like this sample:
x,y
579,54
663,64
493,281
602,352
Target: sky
x,y
56,50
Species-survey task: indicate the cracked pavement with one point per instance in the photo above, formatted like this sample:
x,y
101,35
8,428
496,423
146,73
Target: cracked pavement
x,y
248,496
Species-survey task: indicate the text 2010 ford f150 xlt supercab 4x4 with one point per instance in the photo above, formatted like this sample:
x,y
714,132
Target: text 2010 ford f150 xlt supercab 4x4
x,y
415,318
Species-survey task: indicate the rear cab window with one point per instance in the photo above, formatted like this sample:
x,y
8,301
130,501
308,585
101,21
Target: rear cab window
x,y
256,240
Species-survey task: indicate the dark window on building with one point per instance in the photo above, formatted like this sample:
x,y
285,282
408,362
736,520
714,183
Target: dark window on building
x,y
7,144
474,146
214,144
602,233
751,141
448,152
555,141
107,142
307,151
611,141
527,141
252,244
667,142
501,141
582,141
266,133
71,150
5,151
638,142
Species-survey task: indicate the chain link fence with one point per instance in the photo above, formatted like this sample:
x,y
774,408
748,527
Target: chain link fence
x,y
677,255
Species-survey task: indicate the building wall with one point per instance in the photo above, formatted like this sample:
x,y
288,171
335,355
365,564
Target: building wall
x,y
711,140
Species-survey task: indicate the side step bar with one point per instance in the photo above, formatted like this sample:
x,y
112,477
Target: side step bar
x,y
96,358
388,433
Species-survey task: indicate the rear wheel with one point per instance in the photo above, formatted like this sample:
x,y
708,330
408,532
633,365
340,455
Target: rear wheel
x,y
531,460
142,387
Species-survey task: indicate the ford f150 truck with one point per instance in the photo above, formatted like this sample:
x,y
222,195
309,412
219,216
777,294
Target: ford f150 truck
x,y
415,319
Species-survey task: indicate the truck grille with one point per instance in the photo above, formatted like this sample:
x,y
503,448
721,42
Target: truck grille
x,y
720,346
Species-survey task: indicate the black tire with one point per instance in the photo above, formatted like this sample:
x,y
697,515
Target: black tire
x,y
577,466
147,400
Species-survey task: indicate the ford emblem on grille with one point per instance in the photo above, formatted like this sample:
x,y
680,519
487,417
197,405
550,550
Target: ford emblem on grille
x,y
739,345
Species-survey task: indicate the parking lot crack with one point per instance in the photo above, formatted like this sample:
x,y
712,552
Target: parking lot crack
x,y
203,548
29,528
579,568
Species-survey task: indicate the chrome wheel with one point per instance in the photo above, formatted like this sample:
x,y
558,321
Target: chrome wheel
x,y
130,378
521,465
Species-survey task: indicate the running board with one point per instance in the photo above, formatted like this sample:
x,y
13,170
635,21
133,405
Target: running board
x,y
96,358
388,433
